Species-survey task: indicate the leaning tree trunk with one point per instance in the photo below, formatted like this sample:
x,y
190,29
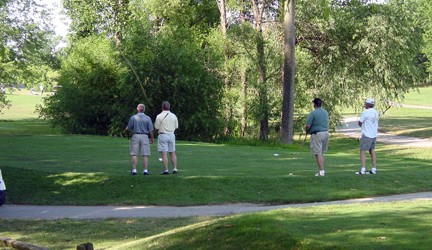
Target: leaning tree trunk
x,y
288,73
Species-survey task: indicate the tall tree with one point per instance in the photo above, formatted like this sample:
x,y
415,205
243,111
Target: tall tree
x,y
258,11
228,105
288,73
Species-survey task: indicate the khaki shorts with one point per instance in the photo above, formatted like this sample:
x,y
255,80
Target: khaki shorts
x,y
140,143
367,143
319,142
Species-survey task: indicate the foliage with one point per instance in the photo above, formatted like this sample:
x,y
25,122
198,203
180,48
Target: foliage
x,y
422,12
361,50
103,83
173,67
173,50
84,103
26,45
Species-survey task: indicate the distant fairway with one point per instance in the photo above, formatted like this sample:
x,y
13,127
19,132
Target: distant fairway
x,y
23,106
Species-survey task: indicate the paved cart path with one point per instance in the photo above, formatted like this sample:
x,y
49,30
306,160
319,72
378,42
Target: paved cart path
x,y
100,212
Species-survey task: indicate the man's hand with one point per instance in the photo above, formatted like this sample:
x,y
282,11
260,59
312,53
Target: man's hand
x,y
307,128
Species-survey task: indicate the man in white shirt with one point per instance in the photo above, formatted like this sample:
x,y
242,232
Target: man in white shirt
x,y
166,123
368,122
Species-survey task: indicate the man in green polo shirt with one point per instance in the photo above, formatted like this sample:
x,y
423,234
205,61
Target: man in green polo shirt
x,y
317,126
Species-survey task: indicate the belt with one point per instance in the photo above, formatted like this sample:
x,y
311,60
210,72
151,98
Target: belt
x,y
318,132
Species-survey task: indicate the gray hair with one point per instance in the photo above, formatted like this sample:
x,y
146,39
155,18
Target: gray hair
x,y
141,107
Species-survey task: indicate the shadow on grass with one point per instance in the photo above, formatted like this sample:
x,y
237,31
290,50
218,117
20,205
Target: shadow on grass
x,y
420,127
374,226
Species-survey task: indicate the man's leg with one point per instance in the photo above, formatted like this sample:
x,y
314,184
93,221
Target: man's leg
x,y
320,161
174,160
363,161
363,158
373,158
145,162
134,163
165,161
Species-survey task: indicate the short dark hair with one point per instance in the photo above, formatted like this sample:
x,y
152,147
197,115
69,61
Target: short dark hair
x,y
166,105
317,102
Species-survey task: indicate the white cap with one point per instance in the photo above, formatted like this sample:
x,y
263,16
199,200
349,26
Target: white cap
x,y
370,101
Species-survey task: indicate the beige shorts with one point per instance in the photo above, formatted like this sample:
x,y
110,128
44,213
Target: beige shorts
x,y
319,142
140,143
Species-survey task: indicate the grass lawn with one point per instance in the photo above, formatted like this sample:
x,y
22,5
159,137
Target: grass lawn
x,y
42,166
413,122
407,121
23,106
422,97
395,225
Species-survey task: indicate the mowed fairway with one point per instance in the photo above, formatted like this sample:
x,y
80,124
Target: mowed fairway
x,y
42,166
414,119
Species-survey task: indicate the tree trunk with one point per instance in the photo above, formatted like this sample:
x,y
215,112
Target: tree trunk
x,y
262,69
244,105
118,19
244,84
228,103
262,81
8,242
288,73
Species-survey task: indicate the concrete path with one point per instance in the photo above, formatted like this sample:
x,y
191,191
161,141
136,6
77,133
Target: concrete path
x,y
350,128
100,212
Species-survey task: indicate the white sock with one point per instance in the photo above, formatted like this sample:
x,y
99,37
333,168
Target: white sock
x,y
322,172
363,169
134,170
373,170
145,171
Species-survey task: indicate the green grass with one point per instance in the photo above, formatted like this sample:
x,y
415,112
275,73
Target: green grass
x,y
408,122
42,166
23,106
94,170
395,225
422,97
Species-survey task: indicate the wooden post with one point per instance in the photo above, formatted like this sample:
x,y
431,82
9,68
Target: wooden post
x,y
8,242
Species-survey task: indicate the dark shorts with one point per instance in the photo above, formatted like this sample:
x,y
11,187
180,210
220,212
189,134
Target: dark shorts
x,y
367,143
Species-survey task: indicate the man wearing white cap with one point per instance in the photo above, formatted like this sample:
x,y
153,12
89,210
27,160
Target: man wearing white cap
x,y
368,122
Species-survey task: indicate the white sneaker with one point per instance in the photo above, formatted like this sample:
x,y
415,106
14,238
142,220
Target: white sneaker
x,y
361,172
320,174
